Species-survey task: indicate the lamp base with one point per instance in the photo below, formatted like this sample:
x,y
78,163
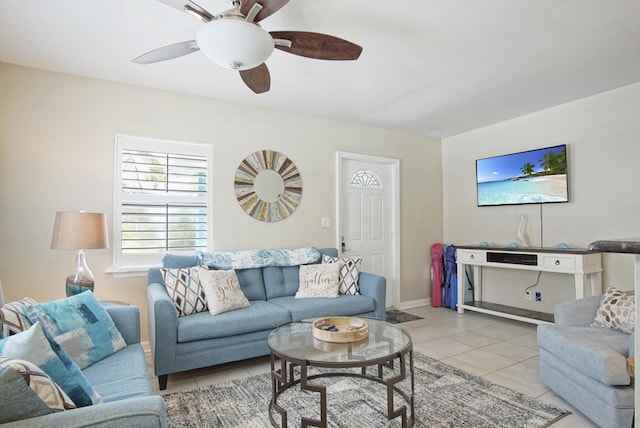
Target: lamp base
x,y
74,287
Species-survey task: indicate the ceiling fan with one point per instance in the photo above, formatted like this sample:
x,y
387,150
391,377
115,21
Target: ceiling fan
x,y
234,39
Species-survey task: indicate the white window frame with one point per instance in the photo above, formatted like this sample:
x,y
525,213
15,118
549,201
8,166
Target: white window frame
x,y
126,264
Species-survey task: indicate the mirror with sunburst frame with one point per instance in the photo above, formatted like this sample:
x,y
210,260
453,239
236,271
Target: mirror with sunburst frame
x,y
268,186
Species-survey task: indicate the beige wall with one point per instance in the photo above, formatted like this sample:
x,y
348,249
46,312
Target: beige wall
x,y
57,148
601,133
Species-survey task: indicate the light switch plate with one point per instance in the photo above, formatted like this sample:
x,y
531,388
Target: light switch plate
x,y
326,221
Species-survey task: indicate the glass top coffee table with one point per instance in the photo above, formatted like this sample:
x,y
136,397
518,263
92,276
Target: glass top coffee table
x,y
293,345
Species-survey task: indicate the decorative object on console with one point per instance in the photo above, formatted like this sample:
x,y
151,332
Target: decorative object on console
x,y
268,186
523,238
79,230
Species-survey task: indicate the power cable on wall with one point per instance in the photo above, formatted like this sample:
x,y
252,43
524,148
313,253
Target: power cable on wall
x,y
541,228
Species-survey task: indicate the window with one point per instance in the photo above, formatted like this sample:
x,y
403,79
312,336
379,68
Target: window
x,y
365,178
162,200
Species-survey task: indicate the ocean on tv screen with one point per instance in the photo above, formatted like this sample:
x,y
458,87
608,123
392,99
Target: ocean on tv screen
x,y
524,190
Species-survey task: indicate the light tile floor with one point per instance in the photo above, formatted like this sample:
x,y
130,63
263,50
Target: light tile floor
x,y
500,350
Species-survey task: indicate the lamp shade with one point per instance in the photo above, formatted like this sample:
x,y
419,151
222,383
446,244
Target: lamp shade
x,y
234,43
78,230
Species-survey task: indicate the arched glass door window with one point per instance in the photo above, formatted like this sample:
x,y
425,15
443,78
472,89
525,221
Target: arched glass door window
x,y
365,178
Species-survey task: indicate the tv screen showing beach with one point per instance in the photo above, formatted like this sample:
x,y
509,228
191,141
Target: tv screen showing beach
x,y
532,177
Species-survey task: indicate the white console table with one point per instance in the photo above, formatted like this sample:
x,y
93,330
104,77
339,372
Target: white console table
x,y
584,265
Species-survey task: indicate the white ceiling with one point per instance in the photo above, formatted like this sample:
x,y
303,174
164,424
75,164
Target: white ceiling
x,y
431,67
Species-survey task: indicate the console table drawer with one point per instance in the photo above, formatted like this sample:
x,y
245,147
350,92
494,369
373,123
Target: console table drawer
x,y
471,256
558,262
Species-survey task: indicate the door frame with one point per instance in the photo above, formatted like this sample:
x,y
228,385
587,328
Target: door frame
x,y
394,221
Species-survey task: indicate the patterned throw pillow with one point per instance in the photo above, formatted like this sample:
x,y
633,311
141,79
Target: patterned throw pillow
x,y
80,325
349,273
32,345
11,317
222,290
319,280
40,383
617,311
184,288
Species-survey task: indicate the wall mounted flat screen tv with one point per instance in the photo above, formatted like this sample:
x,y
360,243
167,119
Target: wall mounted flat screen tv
x,y
531,177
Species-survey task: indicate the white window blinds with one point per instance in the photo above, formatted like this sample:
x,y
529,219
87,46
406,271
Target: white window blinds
x,y
162,199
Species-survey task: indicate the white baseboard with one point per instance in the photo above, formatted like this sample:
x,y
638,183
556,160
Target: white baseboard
x,y
414,303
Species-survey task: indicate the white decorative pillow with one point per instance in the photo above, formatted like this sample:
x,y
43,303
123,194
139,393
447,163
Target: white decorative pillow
x,y
12,318
45,388
184,288
321,280
617,311
349,273
222,290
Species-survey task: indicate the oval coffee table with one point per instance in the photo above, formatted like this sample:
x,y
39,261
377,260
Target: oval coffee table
x,y
292,345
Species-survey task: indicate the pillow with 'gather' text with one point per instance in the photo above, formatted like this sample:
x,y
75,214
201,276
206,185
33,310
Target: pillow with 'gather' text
x,y
321,280
222,290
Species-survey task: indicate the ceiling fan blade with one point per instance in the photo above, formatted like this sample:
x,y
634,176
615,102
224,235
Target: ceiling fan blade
x,y
257,79
269,7
190,7
167,52
316,45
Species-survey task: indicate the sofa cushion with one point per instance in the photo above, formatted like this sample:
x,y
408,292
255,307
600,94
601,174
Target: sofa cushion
x,y
342,305
281,281
32,345
349,273
39,382
597,353
17,400
184,287
222,290
252,283
319,281
260,315
11,316
80,325
617,310
121,376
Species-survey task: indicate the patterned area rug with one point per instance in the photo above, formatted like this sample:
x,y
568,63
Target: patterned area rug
x,y
395,316
444,397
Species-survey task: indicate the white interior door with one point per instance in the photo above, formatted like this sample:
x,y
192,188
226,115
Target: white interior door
x,y
367,225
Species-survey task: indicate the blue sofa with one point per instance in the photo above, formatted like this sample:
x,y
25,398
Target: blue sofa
x,y
122,379
202,340
587,366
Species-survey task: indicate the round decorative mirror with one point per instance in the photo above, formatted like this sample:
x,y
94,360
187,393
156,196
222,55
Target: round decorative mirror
x,y
268,186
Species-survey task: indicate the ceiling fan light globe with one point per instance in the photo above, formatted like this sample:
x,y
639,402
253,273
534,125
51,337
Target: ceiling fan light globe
x,y
234,43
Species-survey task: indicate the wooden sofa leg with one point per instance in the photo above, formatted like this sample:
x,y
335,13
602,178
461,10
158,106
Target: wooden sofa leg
x,y
162,381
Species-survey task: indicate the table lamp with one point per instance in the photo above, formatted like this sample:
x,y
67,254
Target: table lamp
x,y
79,230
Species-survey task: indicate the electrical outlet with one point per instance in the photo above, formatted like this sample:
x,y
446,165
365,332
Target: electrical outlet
x,y
527,295
538,296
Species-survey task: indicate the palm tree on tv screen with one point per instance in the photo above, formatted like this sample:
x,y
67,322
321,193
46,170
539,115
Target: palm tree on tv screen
x,y
553,163
527,168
